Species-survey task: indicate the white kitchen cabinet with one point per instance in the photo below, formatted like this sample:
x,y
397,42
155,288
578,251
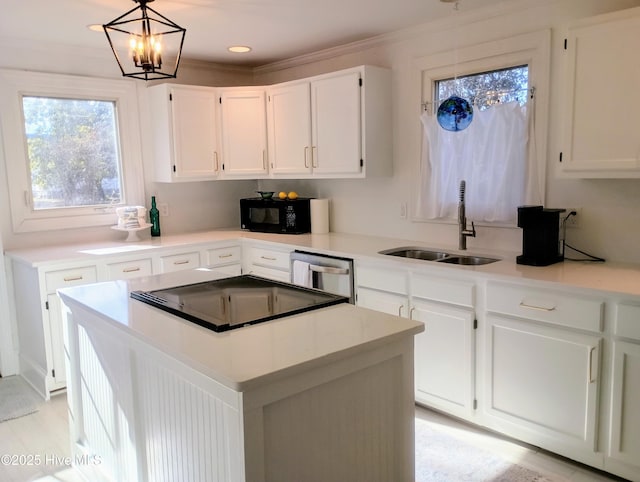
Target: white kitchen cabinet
x,y
542,378
599,140
268,263
131,268
445,353
226,259
623,455
331,126
178,261
391,303
41,350
185,132
243,126
382,289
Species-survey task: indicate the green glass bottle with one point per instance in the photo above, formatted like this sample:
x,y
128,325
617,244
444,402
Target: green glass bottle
x,y
154,218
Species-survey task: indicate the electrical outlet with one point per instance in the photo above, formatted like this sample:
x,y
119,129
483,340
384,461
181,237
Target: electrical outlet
x,y
574,220
164,209
403,210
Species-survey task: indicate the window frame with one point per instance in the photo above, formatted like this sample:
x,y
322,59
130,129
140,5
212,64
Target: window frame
x,y
532,49
14,85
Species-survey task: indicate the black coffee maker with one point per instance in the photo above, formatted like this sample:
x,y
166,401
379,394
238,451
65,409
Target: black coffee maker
x,y
541,243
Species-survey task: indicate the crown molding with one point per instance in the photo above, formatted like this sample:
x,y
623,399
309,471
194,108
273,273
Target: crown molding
x,y
407,34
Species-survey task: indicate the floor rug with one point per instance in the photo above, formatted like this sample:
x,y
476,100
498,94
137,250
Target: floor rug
x,y
17,398
441,457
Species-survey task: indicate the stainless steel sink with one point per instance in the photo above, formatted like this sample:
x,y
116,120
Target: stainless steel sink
x,y
468,260
414,252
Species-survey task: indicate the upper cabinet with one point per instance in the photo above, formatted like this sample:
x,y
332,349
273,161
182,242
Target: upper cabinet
x,y
601,96
330,126
243,128
335,125
185,132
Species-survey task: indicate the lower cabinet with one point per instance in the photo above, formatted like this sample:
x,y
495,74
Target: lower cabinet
x,y
445,357
268,263
623,455
542,375
391,303
543,385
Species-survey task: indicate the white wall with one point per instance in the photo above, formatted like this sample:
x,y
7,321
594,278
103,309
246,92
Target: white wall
x,y
610,219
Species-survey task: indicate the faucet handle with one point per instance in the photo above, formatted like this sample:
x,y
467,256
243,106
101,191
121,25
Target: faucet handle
x,y
473,229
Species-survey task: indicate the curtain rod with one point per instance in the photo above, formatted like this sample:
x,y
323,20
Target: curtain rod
x,y
487,93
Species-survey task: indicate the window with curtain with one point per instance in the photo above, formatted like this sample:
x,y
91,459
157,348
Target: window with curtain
x,y
495,154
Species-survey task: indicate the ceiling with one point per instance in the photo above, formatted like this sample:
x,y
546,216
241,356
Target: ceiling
x,y
275,29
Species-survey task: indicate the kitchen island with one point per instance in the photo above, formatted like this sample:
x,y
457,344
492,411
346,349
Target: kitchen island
x,y
322,395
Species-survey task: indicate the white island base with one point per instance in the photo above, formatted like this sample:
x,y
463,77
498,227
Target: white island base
x,y
137,413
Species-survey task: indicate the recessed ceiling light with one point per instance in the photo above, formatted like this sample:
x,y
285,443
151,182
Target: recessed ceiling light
x,y
96,27
239,49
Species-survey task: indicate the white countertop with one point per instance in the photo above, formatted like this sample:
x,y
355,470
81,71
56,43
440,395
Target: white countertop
x,y
243,358
619,278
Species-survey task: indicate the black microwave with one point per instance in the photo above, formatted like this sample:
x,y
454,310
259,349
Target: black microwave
x,y
285,216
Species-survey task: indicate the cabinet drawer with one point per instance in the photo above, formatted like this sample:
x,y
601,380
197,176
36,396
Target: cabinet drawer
x,y
219,256
551,306
443,289
269,273
270,258
179,262
394,281
129,269
628,321
70,277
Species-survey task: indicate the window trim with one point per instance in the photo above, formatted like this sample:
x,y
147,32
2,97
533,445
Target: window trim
x,y
533,49
15,85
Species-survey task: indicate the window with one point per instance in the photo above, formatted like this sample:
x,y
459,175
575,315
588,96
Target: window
x,y
72,149
73,152
501,155
487,88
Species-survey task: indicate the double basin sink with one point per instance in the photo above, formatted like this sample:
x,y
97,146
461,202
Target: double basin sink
x,y
438,256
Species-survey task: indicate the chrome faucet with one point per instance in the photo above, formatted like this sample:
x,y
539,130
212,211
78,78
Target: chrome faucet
x,y
463,232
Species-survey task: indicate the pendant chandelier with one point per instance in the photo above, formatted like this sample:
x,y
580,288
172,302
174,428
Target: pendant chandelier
x,y
146,44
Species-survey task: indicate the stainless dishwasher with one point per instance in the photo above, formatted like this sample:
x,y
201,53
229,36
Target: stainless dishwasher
x,y
323,272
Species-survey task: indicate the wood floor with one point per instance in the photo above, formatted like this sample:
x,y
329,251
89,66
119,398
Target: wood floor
x,y
42,440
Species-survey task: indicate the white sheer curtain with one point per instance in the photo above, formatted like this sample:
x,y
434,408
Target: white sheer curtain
x,y
495,155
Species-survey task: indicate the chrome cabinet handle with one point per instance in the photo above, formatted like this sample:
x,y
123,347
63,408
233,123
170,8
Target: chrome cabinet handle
x,y
131,270
314,157
225,255
539,308
328,269
400,310
186,261
268,258
306,161
413,308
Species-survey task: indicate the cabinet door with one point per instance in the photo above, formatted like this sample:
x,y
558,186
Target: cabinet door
x,y
624,441
193,118
244,133
58,370
336,118
289,127
390,303
600,141
445,357
542,385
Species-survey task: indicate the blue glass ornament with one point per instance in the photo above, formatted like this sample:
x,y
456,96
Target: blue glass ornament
x,y
455,114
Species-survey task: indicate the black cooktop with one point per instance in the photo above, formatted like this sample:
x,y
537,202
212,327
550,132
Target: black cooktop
x,y
230,303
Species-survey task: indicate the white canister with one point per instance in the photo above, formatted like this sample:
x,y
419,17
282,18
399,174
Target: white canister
x,y
319,216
